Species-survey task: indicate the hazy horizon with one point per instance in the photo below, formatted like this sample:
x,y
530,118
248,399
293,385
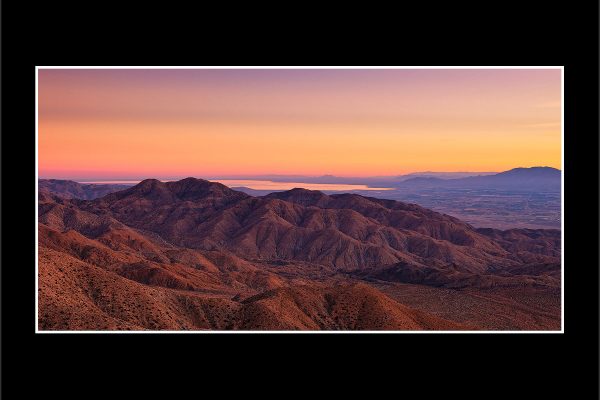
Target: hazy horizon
x,y
244,176
92,179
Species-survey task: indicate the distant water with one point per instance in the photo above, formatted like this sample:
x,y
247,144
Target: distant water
x,y
266,185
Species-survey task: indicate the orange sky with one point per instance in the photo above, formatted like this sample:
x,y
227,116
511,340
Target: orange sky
x,y
103,124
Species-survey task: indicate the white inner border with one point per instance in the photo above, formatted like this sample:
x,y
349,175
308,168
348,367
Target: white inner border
x,y
562,193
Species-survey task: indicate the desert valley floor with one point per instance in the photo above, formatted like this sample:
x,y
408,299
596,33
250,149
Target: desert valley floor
x,y
197,255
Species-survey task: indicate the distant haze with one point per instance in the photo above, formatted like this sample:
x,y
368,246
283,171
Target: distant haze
x,y
266,185
286,182
124,124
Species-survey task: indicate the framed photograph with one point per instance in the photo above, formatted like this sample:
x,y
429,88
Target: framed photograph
x,y
315,199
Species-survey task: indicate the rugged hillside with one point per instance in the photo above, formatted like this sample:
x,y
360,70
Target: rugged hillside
x,y
70,189
345,231
81,296
198,255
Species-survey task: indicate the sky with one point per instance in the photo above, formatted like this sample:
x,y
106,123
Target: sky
x,y
136,124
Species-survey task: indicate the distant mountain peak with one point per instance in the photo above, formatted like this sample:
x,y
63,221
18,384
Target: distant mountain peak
x,y
188,189
301,196
151,189
303,190
148,183
532,171
194,188
191,179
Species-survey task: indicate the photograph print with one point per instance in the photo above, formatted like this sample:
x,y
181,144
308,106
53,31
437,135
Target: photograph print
x,y
304,199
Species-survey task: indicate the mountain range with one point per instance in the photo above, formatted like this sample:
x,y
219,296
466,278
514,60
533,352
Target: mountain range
x,y
71,189
518,198
525,179
194,254
530,179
